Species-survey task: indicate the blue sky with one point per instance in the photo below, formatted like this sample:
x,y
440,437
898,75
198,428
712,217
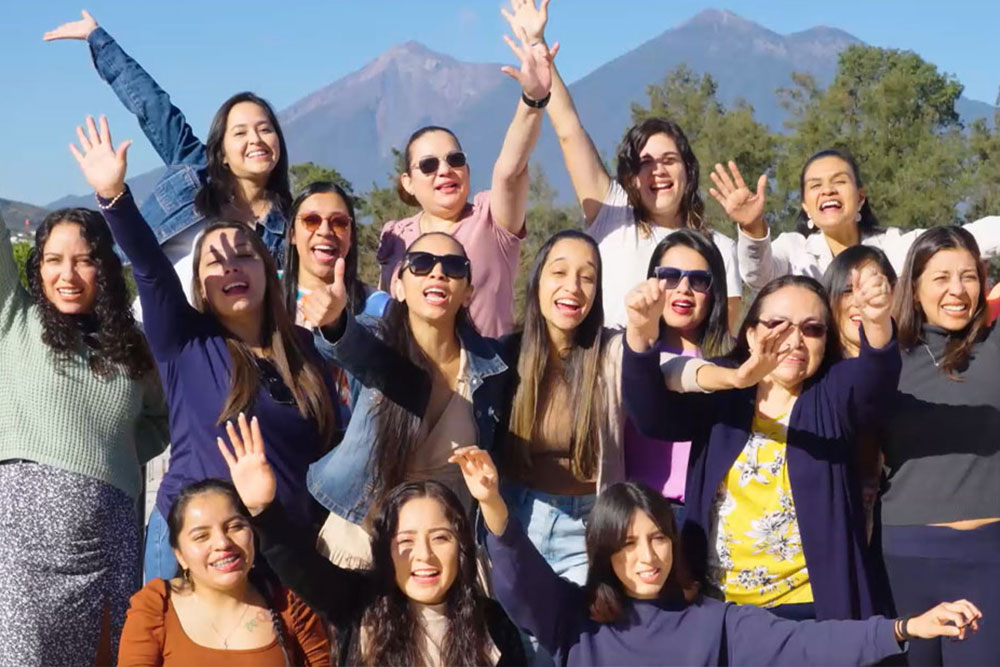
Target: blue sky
x,y
202,51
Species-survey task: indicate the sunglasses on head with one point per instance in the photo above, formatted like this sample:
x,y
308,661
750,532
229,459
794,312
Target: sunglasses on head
x,y
429,165
808,329
312,221
455,267
700,281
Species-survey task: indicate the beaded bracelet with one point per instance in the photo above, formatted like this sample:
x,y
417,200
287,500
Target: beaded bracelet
x,y
111,202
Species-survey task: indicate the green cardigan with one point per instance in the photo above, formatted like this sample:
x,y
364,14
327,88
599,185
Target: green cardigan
x,y
68,417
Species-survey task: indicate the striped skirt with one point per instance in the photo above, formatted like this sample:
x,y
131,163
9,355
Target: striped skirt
x,y
69,561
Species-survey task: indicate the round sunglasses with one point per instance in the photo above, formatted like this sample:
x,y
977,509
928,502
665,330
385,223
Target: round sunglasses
x,y
429,165
420,263
700,281
312,221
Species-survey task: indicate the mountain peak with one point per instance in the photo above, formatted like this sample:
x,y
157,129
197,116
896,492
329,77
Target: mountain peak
x,y
718,18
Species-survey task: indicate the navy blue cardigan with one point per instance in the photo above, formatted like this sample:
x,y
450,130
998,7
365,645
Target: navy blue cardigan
x,y
834,405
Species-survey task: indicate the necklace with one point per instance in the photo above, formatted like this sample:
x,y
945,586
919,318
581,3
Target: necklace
x,y
225,639
936,363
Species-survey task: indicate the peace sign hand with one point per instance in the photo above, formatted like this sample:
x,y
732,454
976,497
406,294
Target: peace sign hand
x,y
323,307
252,475
528,17
102,165
74,29
744,207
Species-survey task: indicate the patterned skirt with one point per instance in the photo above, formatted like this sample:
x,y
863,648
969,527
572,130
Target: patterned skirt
x,y
69,561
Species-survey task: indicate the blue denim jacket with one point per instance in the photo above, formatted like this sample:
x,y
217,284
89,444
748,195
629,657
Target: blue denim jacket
x,y
170,209
341,481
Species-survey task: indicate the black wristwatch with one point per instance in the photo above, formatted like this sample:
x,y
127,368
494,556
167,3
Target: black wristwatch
x,y
536,104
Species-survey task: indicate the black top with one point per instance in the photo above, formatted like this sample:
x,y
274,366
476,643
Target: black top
x,y
341,596
942,441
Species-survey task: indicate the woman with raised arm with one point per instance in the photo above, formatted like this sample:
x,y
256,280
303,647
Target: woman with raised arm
x,y
654,193
221,610
639,607
836,214
773,512
235,350
492,226
420,602
940,507
82,410
239,174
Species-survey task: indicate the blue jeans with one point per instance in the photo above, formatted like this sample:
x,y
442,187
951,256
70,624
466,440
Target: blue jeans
x,y
158,558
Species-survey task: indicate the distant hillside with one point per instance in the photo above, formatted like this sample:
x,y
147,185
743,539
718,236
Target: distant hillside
x,y
15,214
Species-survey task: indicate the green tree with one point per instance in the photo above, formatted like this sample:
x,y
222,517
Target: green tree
x,y
896,113
380,204
310,172
984,148
716,134
21,250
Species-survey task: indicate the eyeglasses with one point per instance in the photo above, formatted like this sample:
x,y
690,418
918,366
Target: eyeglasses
x,y
273,382
700,281
455,267
429,165
312,221
808,329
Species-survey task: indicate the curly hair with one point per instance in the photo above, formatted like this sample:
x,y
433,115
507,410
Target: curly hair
x,y
392,627
119,343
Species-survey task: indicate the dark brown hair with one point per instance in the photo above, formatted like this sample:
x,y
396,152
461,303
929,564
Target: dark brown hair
x,y
279,339
910,317
868,224
405,196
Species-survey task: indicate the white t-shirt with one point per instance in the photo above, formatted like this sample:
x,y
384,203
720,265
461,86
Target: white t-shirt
x,y
180,251
625,253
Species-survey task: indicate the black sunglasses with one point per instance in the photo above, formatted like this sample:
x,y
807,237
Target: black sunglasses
x,y
419,263
808,329
700,281
429,165
274,383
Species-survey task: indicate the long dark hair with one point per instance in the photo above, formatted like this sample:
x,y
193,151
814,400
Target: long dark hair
x,y
302,375
607,531
713,334
405,196
119,343
692,207
290,275
220,186
580,371
868,224
837,278
832,352
394,637
396,428
910,316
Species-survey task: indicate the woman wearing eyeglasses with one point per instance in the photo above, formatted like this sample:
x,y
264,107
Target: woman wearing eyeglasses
x,y
694,323
430,383
236,350
492,226
773,510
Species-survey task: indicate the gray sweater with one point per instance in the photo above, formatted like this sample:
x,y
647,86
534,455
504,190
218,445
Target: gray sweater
x,y
942,441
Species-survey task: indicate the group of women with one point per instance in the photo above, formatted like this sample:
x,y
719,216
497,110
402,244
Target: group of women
x,y
396,474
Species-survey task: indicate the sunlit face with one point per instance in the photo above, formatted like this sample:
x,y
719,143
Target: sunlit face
x,y
644,563
444,192
320,246
685,309
250,148
804,308
948,289
434,298
831,196
68,271
568,284
215,543
425,551
661,179
231,274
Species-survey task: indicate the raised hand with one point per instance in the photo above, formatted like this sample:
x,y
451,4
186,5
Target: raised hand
x,y
948,619
535,74
479,471
644,307
102,164
872,293
525,15
252,475
74,29
765,355
744,207
323,307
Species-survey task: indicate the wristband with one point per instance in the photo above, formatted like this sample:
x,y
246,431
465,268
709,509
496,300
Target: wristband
x,y
903,628
536,104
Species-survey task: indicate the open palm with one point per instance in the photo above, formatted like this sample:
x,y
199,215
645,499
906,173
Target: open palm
x,y
74,29
526,15
479,471
741,204
535,73
251,473
102,164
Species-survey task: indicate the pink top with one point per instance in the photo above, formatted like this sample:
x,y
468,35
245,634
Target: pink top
x,y
660,464
493,252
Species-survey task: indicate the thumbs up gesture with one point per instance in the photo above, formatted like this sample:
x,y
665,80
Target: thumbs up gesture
x,y
323,307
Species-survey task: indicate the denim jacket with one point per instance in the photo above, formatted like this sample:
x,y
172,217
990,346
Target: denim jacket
x,y
170,209
342,480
